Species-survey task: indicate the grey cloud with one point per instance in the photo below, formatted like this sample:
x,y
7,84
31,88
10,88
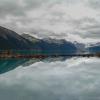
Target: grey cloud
x,y
10,7
51,15
94,4
15,8
34,3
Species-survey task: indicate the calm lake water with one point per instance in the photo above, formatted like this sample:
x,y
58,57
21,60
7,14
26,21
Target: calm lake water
x,y
50,79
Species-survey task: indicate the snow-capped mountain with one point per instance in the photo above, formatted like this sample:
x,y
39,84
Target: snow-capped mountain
x,y
11,40
54,46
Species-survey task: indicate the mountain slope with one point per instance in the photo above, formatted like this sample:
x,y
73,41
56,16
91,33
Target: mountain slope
x,y
53,46
11,40
30,38
94,48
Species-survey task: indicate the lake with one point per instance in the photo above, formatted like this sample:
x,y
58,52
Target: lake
x,y
50,79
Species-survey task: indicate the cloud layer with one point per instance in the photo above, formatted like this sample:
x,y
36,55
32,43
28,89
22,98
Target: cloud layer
x,y
55,18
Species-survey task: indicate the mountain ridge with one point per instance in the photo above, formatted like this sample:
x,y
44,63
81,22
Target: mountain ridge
x,y
10,40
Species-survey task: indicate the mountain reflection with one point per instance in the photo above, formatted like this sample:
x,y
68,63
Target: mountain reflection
x,y
10,64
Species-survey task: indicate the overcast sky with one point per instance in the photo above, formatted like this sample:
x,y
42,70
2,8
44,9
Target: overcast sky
x,y
54,18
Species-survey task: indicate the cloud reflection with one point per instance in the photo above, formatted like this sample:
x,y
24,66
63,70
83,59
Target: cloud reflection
x,y
53,80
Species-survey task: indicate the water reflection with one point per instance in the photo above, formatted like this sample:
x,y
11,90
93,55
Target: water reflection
x,y
52,79
10,64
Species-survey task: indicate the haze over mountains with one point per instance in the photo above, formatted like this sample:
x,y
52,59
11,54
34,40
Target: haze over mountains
x,y
10,40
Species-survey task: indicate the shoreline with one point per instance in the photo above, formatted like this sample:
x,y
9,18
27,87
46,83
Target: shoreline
x,y
45,56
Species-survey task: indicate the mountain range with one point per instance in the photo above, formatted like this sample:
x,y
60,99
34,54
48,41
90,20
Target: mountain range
x,y
10,40
53,46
